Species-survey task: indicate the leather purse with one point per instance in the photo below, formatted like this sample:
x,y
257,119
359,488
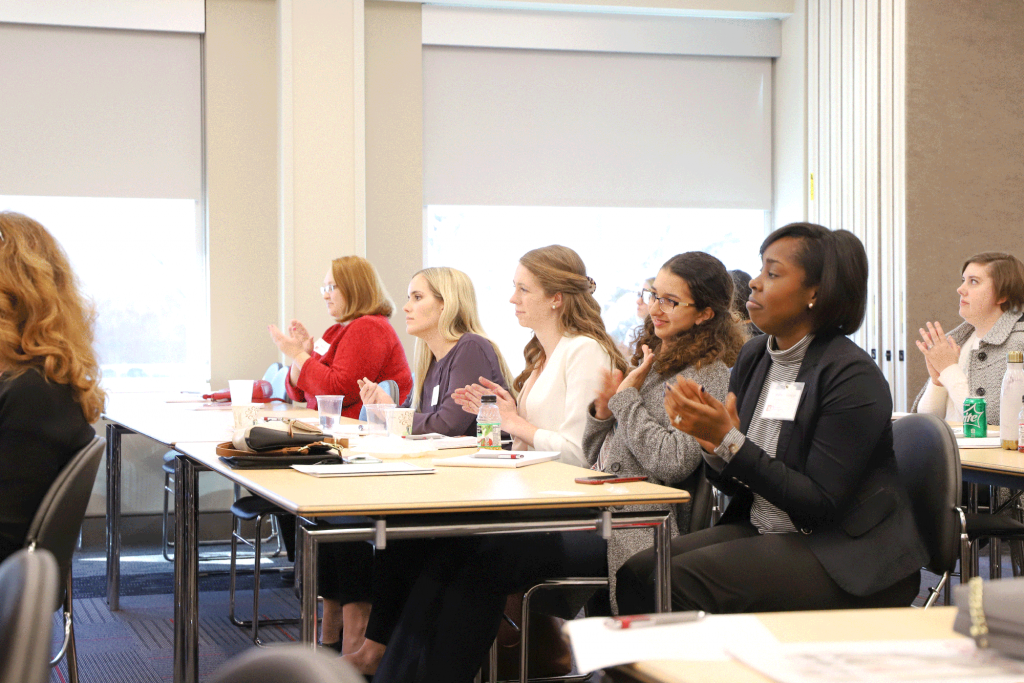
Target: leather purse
x,y
263,439
992,612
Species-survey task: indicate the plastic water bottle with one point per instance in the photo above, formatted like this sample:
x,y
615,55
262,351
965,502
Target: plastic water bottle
x,y
1013,386
488,423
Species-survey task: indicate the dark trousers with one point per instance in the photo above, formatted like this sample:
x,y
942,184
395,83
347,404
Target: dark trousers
x,y
453,611
732,568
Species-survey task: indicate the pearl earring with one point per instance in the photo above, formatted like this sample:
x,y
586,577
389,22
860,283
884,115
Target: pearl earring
x,y
810,305
552,307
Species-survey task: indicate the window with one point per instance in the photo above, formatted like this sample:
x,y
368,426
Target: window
x,y
620,246
141,261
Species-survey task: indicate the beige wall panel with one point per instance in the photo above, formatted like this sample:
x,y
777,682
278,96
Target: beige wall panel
x,y
394,147
241,144
965,149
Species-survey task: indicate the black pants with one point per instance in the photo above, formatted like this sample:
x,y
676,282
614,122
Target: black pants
x,y
732,568
453,611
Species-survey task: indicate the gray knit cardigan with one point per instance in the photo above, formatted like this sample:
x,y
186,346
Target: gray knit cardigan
x,y
638,440
987,366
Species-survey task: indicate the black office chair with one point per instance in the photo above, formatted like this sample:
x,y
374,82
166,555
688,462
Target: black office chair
x,y
28,591
929,467
290,663
55,528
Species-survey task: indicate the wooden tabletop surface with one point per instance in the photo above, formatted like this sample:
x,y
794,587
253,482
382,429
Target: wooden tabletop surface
x,y
904,623
449,489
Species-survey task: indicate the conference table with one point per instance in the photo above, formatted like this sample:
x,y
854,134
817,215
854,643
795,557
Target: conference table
x,y
166,417
992,467
451,501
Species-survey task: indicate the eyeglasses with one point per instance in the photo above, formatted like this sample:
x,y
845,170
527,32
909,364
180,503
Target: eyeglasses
x,y
327,289
649,297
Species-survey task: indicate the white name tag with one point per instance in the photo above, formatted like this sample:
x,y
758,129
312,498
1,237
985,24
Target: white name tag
x,y
434,396
321,347
782,402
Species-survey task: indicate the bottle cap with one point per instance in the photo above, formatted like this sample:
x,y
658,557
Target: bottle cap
x,y
488,398
1015,357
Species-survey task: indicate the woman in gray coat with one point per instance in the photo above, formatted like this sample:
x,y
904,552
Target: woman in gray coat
x,y
971,359
691,331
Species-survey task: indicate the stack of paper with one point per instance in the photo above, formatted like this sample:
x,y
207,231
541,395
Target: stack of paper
x,y
502,459
367,470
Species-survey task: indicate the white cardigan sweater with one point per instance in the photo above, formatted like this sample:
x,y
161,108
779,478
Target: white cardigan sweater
x,y
557,402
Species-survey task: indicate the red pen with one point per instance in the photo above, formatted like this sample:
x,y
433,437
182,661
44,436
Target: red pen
x,y
498,455
645,620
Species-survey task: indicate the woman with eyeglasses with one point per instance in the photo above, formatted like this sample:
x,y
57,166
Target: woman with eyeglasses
x,y
690,331
49,377
361,345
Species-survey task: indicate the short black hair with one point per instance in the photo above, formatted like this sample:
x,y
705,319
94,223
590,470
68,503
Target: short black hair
x,y
835,262
741,292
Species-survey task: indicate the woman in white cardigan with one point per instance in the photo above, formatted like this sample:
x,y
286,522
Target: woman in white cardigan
x,y
455,606
564,359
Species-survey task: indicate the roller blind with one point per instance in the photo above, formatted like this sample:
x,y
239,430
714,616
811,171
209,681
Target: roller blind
x,y
100,113
559,128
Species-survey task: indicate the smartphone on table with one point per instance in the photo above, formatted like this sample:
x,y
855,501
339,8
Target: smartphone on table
x,y
606,478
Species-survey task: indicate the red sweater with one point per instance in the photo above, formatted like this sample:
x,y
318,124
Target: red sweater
x,y
364,347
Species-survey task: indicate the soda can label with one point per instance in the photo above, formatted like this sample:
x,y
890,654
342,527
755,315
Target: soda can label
x,y
975,420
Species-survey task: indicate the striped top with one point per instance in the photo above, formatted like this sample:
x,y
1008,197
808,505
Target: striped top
x,y
785,366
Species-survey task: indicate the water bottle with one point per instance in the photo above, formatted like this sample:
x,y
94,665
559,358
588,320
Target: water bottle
x,y
1013,386
488,423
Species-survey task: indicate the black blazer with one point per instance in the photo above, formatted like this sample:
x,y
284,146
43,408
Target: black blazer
x,y
835,471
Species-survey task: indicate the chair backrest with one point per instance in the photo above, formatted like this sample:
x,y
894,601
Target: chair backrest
x,y
59,517
929,467
277,380
271,371
291,663
701,503
28,591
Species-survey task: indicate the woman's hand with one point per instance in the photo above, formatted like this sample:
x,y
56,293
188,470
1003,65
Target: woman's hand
x,y
939,350
301,334
635,379
469,398
370,393
609,387
288,344
694,411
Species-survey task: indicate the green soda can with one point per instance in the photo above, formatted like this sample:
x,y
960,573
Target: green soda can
x,y
975,421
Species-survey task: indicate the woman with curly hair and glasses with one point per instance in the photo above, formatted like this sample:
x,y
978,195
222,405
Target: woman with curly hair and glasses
x,y
689,330
49,376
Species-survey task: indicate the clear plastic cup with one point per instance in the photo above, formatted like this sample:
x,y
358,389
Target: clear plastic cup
x,y
329,408
376,417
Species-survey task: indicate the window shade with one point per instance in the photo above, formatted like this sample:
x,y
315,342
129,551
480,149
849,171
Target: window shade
x,y
561,128
100,113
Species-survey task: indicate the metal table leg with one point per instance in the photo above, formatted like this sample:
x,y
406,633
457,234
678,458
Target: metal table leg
x,y
310,548
114,432
662,559
186,570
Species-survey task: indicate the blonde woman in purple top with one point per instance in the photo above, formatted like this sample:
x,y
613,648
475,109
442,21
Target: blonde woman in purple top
x,y
451,352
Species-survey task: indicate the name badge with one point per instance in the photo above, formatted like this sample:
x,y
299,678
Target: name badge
x,y
783,400
435,395
321,347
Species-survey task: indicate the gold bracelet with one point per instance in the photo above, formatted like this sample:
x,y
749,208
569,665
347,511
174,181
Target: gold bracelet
x,y
976,608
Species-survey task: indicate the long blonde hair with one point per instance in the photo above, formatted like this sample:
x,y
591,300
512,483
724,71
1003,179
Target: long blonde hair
x,y
559,269
455,290
45,323
361,287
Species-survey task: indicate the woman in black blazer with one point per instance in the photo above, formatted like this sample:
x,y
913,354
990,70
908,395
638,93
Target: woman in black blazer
x,y
803,444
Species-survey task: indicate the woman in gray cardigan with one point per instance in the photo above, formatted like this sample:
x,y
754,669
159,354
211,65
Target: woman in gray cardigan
x,y
971,359
690,330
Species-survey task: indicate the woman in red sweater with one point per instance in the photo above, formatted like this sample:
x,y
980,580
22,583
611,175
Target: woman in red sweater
x,y
362,344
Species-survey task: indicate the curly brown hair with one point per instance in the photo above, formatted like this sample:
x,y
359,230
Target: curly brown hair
x,y
45,323
560,269
719,338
